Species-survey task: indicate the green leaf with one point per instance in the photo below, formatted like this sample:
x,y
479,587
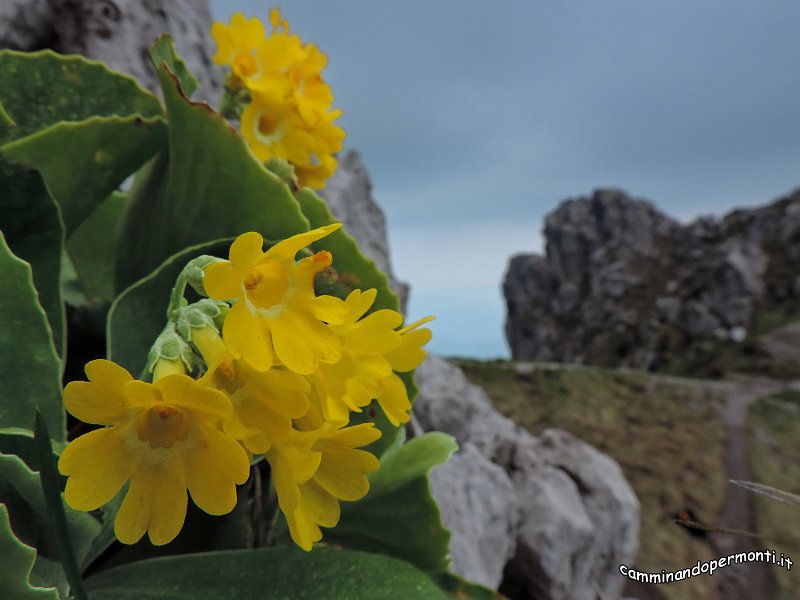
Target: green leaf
x,y
458,587
19,442
92,245
39,89
6,122
399,517
55,508
16,565
30,370
209,186
266,574
162,51
21,492
30,221
83,162
355,269
139,313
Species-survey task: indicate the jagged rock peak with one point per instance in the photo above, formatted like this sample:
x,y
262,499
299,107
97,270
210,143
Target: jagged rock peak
x,y
622,284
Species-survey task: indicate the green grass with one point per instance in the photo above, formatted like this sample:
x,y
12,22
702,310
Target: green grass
x,y
666,437
775,461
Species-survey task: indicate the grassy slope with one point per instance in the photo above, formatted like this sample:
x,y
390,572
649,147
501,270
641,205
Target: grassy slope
x,y
666,437
775,460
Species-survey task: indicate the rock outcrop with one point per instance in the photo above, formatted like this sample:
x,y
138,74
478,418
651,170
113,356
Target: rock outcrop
x,y
577,519
118,32
622,284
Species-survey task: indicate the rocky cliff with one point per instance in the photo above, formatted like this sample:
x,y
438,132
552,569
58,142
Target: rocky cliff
x,y
622,284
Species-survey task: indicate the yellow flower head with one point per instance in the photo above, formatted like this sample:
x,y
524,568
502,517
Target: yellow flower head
x,y
163,437
289,116
276,307
372,349
309,498
256,60
274,128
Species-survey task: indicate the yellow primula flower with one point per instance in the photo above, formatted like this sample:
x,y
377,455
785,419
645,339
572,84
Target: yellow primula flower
x,y
341,475
257,61
264,403
163,437
372,349
274,127
315,467
276,307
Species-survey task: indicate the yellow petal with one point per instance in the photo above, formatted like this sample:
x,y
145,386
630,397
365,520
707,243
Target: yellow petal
x,y
293,462
247,249
303,529
301,341
156,502
374,334
205,403
359,302
355,436
287,249
317,508
342,472
329,309
409,354
393,398
222,280
101,400
246,338
98,464
213,467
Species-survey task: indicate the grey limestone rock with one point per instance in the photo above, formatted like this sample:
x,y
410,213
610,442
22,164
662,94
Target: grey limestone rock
x,y
622,284
578,517
479,505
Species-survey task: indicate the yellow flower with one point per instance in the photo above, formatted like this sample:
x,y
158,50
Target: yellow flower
x,y
274,127
372,350
163,437
264,403
341,475
275,303
257,61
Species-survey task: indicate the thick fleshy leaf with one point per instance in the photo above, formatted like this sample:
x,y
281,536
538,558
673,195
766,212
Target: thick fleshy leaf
x,y
30,370
15,568
92,246
399,517
163,51
39,89
30,222
266,574
209,185
66,538
21,492
355,270
93,158
139,313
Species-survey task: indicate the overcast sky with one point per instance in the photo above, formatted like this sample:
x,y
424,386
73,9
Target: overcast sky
x,y
475,119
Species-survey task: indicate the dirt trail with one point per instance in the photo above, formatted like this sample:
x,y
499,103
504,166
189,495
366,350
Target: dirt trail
x,y
753,580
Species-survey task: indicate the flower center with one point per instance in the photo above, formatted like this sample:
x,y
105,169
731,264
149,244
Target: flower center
x,y
246,65
266,284
269,127
162,426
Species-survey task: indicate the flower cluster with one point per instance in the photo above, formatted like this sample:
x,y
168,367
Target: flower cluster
x,y
280,371
289,114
